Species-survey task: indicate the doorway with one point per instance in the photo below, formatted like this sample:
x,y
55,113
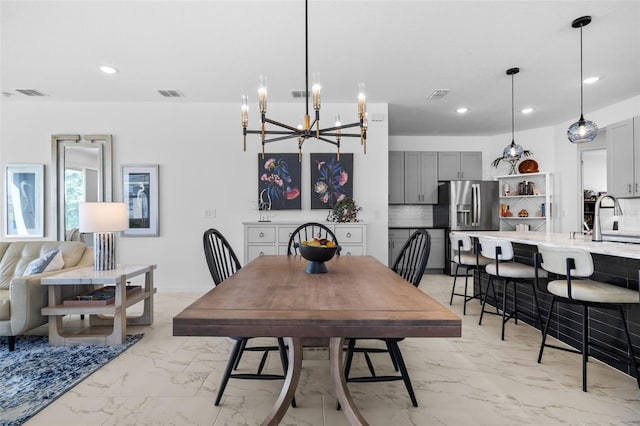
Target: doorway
x,y
593,175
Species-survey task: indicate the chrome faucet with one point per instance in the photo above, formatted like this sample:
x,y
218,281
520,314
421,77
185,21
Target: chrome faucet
x,y
617,211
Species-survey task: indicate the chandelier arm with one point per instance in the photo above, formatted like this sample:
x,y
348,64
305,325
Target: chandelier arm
x,y
341,135
285,126
342,126
280,138
273,132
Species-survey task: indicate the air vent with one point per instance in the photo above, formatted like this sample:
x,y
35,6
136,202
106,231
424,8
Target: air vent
x,y
299,94
170,93
438,94
30,92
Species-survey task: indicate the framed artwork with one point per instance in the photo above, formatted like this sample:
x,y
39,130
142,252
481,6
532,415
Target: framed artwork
x,y
24,200
279,185
331,179
140,192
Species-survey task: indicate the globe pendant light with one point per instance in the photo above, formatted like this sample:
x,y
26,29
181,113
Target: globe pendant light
x,y
513,151
582,130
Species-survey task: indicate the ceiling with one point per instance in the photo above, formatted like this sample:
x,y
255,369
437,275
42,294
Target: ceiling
x,y
213,51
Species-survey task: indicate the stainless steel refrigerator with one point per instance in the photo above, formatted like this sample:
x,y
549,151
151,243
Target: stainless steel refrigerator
x,y
466,205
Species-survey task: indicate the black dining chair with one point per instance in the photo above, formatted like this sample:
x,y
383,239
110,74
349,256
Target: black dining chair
x,y
410,265
307,232
223,262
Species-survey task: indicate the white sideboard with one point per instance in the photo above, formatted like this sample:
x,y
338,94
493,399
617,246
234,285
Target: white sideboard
x,y
265,238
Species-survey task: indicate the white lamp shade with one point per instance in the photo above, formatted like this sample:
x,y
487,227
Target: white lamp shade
x,y
103,217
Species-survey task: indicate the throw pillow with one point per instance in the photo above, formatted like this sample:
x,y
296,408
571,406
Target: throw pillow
x,y
50,261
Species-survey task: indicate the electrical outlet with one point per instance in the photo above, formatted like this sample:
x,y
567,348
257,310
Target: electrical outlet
x,y
209,213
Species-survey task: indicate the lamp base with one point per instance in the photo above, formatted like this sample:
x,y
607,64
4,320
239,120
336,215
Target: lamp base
x,y
104,251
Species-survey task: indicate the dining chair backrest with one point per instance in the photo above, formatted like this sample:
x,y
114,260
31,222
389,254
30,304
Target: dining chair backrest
x,y
496,249
412,260
221,259
554,260
309,231
460,242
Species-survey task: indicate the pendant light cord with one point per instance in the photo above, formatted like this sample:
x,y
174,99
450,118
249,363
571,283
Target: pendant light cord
x,y
581,78
306,55
512,114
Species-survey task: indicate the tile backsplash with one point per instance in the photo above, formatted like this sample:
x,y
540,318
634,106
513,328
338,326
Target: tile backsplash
x,y
630,219
410,216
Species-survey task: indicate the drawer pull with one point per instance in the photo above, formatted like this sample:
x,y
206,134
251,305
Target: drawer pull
x,y
348,253
348,234
261,253
261,234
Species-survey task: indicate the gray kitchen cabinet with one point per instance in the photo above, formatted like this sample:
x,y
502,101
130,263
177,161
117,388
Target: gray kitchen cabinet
x,y
623,158
396,177
397,238
420,177
460,165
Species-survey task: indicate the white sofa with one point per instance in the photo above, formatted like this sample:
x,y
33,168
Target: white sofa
x,y
22,297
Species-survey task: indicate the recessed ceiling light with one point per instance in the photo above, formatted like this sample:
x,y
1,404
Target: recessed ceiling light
x,y
108,70
462,110
591,80
526,110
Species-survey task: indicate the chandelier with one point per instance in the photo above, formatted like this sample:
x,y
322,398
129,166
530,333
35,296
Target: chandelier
x,y
308,129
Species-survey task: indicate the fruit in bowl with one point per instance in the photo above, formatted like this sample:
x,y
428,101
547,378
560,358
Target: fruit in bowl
x,y
317,253
319,242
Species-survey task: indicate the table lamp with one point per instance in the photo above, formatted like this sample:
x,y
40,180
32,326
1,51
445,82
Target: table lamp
x,y
103,220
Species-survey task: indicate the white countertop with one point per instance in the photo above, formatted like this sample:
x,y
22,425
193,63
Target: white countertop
x,y
628,250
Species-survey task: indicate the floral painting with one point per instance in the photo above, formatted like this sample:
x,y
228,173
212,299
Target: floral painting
x,y
331,179
279,181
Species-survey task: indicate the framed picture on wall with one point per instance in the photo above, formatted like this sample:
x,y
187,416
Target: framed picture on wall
x,y
331,179
140,192
24,200
279,185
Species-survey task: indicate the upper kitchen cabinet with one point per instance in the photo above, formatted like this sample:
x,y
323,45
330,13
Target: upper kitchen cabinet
x,y
623,158
420,177
396,177
459,165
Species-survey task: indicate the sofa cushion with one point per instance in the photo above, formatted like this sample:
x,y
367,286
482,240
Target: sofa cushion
x,y
5,310
20,253
51,261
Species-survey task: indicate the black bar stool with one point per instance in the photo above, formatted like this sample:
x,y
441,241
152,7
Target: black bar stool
x,y
509,272
468,258
576,265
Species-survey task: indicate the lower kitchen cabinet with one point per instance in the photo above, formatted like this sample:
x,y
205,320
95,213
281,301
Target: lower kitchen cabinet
x,y
272,238
397,238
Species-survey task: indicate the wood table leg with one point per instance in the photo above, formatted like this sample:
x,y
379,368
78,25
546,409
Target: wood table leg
x,y
290,382
342,392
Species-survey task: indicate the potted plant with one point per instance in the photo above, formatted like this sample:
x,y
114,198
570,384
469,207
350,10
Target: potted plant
x,y
344,210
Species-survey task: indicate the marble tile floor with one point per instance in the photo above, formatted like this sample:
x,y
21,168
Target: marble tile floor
x,y
473,380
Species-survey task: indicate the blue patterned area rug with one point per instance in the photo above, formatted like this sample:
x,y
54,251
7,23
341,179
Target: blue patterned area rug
x,y
36,374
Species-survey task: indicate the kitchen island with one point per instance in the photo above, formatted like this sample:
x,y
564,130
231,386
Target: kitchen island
x,y
614,263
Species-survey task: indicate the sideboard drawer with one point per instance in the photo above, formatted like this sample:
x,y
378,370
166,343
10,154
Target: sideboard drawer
x,y
256,251
348,235
284,233
261,235
351,251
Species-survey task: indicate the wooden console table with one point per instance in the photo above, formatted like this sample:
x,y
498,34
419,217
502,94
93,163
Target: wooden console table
x,y
116,277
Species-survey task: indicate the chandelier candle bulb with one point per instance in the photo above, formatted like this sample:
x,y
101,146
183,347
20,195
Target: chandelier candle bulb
x,y
361,101
262,93
245,120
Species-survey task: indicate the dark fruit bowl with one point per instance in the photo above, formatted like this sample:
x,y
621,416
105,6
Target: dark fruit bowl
x,y
316,257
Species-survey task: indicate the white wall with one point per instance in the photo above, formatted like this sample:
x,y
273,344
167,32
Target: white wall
x,y
198,147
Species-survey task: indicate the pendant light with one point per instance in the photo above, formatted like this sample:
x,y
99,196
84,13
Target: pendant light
x,y
582,130
513,151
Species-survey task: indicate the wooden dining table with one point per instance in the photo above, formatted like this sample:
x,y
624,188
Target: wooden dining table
x,y
358,297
